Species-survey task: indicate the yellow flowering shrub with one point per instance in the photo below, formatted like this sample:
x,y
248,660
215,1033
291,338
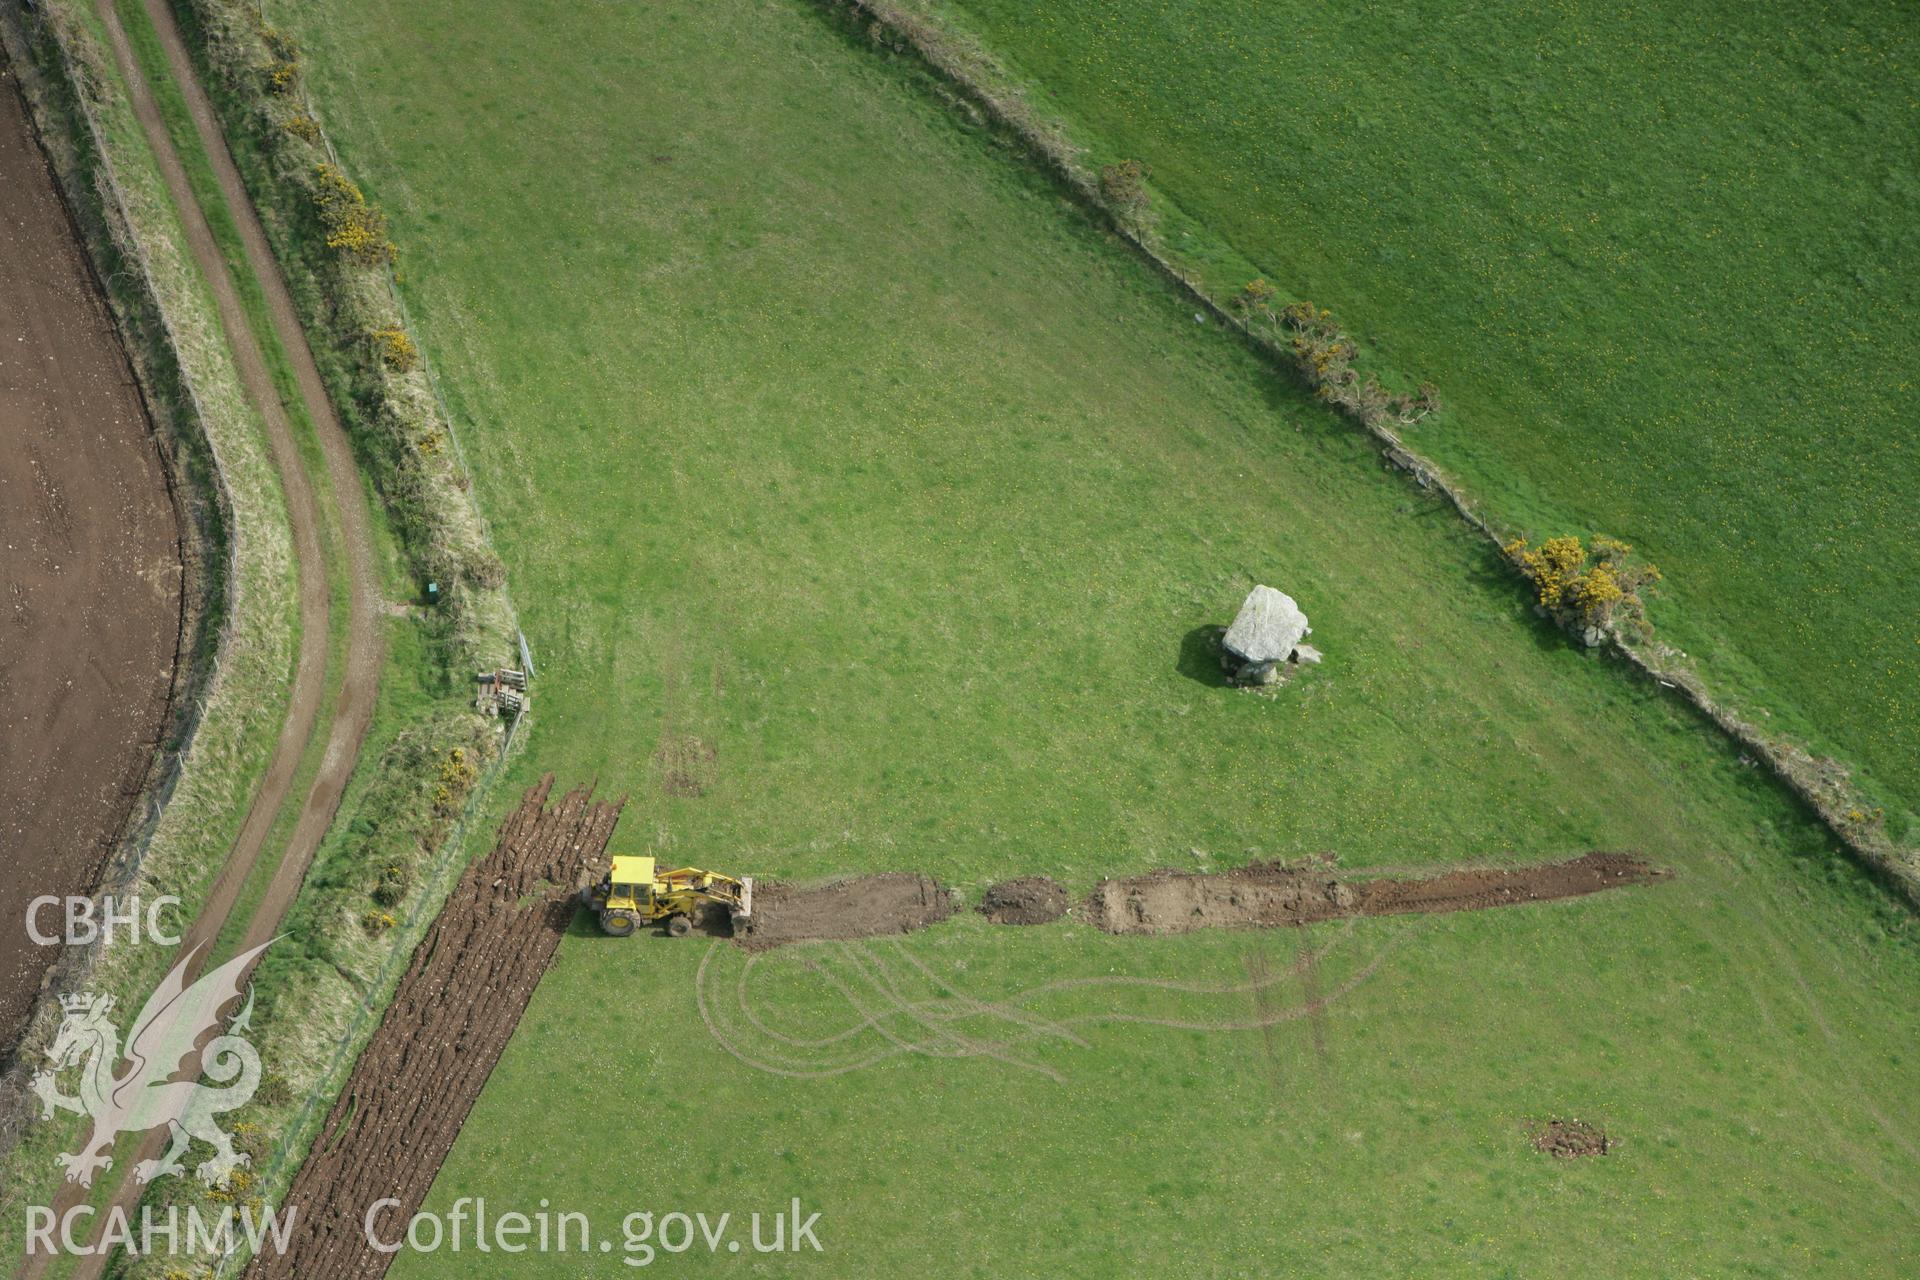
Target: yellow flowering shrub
x,y
396,349
283,71
1592,587
457,776
353,226
1324,354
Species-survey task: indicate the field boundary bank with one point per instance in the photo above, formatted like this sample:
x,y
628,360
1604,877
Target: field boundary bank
x,y
391,404
1823,784
199,476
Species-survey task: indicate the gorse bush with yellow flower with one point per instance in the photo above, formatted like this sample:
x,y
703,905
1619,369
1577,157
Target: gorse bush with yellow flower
x,y
283,68
353,226
395,348
1592,588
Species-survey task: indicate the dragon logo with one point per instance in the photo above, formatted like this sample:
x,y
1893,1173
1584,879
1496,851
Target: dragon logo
x,y
146,1094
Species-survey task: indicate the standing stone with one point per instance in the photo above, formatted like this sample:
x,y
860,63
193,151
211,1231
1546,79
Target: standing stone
x,y
1266,632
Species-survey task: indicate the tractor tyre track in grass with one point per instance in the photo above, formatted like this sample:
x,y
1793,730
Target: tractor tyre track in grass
x,y
876,996
1263,895
352,709
468,983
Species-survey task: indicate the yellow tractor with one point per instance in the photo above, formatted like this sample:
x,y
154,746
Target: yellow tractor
x,y
633,893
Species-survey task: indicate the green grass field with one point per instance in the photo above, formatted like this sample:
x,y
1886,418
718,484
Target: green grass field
x,y
816,432
1658,258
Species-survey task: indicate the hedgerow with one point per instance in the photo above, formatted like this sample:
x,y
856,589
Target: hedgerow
x,y
333,241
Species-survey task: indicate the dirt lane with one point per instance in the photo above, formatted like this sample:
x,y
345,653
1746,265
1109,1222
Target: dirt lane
x,y
352,710
90,567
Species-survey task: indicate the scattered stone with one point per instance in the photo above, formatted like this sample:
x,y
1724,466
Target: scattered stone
x,y
1306,653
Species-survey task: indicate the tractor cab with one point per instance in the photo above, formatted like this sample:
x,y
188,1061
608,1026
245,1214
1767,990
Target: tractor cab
x,y
630,882
625,895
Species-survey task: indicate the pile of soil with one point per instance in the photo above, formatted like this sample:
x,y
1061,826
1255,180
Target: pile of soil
x,y
462,997
1269,894
1024,900
859,907
1571,1139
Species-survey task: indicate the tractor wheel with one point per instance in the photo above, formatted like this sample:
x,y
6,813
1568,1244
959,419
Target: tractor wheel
x,y
617,923
679,927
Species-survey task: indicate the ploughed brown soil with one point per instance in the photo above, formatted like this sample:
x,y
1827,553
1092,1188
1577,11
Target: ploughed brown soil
x,y
1024,900
90,572
860,907
461,998
1266,894
1571,1139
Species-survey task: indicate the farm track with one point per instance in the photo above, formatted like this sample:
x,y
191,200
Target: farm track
x,y
93,595
458,1004
359,685
352,708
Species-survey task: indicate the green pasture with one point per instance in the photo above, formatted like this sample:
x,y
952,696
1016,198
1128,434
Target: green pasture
x,y
865,510
1659,258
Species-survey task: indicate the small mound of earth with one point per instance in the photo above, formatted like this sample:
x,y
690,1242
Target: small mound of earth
x,y
1571,1139
1025,900
860,907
